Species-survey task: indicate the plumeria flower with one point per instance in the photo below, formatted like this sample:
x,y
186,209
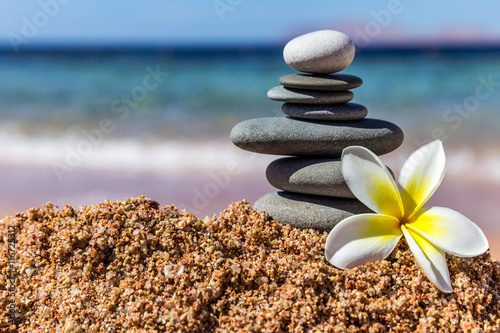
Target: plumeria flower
x,y
429,232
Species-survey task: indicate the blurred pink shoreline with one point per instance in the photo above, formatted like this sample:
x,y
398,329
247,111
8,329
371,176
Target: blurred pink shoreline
x,y
207,194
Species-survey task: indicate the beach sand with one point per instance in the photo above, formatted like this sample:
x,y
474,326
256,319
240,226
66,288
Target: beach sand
x,y
133,265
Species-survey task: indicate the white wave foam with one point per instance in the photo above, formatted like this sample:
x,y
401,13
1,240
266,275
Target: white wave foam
x,y
73,152
132,155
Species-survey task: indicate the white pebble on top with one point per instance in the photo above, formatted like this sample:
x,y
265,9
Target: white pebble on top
x,y
319,52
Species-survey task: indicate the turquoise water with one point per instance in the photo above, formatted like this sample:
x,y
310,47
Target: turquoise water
x,y
48,102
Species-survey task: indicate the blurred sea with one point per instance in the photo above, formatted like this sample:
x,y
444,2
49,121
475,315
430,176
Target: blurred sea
x,y
68,118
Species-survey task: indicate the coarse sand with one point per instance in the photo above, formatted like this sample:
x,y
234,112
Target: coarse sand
x,y
132,266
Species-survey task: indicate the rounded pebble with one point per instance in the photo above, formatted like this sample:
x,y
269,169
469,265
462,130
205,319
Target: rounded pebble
x,y
317,176
319,52
321,82
328,112
282,94
308,211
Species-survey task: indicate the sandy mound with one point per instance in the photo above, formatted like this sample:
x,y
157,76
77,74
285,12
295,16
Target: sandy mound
x,y
135,266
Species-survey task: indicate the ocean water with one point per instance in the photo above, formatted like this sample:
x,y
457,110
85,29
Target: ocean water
x,y
80,128
173,111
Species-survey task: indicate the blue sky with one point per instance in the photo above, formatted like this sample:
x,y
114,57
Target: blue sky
x,y
244,21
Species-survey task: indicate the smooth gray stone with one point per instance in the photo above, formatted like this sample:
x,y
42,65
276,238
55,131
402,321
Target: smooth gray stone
x,y
318,176
287,136
319,52
326,112
309,176
321,82
282,94
308,211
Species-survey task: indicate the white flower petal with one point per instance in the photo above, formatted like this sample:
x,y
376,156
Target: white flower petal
x,y
450,231
431,260
370,181
421,175
362,238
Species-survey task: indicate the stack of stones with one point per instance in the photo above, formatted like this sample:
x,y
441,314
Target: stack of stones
x,y
319,123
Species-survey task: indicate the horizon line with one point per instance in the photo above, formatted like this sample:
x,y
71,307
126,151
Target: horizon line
x,y
159,48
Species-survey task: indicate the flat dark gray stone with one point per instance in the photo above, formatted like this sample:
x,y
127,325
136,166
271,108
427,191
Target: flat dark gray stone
x,y
326,112
282,94
308,211
317,176
321,82
287,136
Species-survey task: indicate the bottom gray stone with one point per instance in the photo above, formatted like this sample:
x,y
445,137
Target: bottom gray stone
x,y
309,211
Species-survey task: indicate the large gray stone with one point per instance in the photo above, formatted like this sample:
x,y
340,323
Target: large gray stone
x,y
309,176
282,94
321,82
326,112
308,211
287,136
319,52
